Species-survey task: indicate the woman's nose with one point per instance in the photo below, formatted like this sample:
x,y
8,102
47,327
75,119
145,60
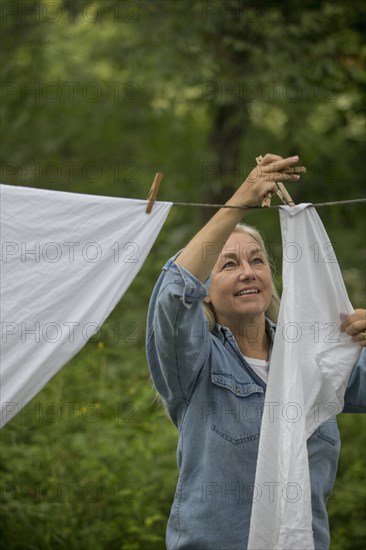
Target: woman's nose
x,y
246,272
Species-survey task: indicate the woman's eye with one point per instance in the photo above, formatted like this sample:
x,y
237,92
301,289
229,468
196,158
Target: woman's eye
x,y
231,263
257,260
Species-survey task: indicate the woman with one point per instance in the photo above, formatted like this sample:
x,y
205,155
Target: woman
x,y
211,373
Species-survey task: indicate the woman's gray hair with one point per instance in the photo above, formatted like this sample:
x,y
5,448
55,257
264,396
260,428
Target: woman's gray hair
x,y
274,306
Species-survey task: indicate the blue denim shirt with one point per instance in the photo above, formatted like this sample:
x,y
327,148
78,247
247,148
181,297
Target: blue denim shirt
x,y
216,401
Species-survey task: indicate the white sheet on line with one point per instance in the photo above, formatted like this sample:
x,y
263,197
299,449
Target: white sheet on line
x,y
310,366
66,260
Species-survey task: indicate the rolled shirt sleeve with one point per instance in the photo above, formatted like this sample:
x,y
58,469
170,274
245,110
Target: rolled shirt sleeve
x,y
177,340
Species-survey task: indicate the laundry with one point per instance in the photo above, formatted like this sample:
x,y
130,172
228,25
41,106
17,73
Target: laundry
x,y
310,366
66,261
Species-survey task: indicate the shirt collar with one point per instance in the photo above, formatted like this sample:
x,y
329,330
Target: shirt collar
x,y
224,333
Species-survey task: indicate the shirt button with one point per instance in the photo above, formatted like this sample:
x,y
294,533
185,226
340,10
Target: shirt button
x,y
237,390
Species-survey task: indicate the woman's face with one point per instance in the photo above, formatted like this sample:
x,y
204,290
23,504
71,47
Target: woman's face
x,y
241,284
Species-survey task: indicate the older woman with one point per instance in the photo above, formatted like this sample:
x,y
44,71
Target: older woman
x,y
209,337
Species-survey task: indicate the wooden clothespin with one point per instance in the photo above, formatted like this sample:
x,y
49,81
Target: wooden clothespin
x,y
284,194
282,189
153,192
281,192
267,199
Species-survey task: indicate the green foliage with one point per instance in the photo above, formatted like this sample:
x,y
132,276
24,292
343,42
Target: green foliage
x,y
97,97
89,462
346,504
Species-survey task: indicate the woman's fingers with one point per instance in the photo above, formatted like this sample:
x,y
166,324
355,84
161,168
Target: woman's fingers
x,y
357,318
262,179
279,163
259,173
355,326
280,176
270,169
268,158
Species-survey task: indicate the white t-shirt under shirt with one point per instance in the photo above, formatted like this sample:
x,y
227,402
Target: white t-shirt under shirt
x,y
260,366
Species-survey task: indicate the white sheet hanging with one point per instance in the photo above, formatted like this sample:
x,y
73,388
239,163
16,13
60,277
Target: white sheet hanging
x,y
310,366
66,260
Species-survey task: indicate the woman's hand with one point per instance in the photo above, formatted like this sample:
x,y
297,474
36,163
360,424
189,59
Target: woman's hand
x,y
262,180
355,326
201,253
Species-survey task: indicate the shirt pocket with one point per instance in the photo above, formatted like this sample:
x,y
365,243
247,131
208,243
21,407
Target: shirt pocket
x,y
328,431
236,408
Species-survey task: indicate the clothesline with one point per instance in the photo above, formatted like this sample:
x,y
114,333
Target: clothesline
x,y
245,207
154,190
266,203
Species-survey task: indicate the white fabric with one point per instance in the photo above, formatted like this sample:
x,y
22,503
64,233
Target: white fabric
x,y
260,366
310,366
66,260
